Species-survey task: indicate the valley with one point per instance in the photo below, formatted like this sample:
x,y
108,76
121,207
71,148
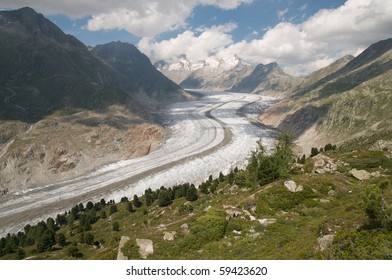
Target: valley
x,y
218,154
206,137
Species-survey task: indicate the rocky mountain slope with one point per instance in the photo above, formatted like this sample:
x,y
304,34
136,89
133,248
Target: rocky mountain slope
x,y
145,82
326,71
220,76
178,71
268,79
64,111
232,75
351,102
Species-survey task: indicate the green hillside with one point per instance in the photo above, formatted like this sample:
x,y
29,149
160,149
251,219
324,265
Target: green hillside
x,y
275,209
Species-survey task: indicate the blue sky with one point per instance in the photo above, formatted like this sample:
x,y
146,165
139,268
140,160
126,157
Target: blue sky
x,y
300,35
254,17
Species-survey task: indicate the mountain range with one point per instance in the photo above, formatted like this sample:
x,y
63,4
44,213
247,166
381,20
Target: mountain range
x,y
231,75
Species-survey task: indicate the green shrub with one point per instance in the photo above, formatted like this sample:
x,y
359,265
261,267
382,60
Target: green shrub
x,y
116,226
279,198
74,252
211,226
361,245
131,250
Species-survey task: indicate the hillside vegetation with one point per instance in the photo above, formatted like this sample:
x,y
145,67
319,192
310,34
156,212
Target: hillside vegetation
x,y
352,101
315,208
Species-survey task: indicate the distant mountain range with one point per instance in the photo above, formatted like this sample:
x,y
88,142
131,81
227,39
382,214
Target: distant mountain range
x,y
230,75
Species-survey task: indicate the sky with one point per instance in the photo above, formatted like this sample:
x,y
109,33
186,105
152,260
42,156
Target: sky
x,y
300,35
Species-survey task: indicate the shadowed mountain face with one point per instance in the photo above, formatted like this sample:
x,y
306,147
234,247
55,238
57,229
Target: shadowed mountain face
x,y
137,69
268,79
43,70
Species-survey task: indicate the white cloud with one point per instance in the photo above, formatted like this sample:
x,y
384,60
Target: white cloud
x,y
303,7
196,45
150,20
299,48
143,18
282,13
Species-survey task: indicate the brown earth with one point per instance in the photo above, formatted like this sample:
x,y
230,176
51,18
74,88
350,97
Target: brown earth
x,y
63,146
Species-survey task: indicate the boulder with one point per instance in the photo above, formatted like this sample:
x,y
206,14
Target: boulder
x,y
360,174
323,164
232,211
292,186
252,218
267,222
320,171
146,247
169,236
375,174
185,228
332,193
325,241
120,255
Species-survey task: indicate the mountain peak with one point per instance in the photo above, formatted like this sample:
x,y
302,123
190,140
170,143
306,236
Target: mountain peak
x,y
28,22
118,51
265,69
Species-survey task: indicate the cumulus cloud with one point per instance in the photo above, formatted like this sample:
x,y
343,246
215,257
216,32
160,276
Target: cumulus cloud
x,y
299,48
324,37
143,18
199,45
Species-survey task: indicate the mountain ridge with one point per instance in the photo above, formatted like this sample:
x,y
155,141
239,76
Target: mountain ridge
x,y
348,103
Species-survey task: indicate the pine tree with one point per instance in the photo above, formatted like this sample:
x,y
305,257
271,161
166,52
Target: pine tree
x,y
112,209
149,199
129,207
314,152
302,160
60,239
191,194
116,226
136,201
165,198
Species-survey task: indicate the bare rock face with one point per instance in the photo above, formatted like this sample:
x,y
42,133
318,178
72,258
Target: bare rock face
x,y
360,174
232,211
292,186
323,164
63,147
383,145
146,247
